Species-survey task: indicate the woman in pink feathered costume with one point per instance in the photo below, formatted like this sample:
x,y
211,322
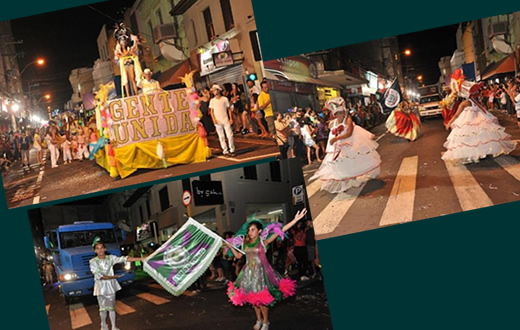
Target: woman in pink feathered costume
x,y
258,283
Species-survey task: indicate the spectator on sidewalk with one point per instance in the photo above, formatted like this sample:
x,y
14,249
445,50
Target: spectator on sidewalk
x,y
37,143
24,145
221,114
264,103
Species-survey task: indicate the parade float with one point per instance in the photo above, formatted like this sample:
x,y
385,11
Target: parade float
x,y
148,130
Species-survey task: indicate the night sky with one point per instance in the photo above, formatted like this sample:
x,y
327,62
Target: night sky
x,y
427,49
67,39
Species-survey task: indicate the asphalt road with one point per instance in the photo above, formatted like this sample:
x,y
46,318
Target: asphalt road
x,y
44,184
416,184
146,305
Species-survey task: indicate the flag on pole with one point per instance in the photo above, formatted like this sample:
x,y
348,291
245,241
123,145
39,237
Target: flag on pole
x,y
184,257
392,97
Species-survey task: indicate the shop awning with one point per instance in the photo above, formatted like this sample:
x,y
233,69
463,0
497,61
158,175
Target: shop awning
x,y
173,75
342,78
505,65
288,76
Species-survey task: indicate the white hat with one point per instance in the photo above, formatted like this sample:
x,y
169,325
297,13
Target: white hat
x,y
336,104
147,71
215,86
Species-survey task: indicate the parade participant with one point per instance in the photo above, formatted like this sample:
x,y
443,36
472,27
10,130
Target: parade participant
x,y
221,114
351,157
52,143
449,104
105,282
92,140
126,54
66,147
309,141
475,131
148,84
37,144
258,284
82,146
403,122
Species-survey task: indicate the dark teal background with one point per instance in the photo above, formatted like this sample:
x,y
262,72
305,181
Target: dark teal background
x,y
453,272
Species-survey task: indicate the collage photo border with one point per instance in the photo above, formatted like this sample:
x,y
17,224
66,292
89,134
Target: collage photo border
x,y
453,272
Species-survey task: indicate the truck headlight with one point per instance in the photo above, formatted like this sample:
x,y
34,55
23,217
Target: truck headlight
x,y
128,266
68,276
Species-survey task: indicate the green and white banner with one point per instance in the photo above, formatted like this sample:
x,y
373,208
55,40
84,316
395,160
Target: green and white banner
x,y
184,257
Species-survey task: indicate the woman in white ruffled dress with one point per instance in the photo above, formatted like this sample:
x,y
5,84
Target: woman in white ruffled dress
x,y
475,132
351,158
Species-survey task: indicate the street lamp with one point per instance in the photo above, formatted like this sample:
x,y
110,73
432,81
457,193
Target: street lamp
x,y
407,52
420,77
39,61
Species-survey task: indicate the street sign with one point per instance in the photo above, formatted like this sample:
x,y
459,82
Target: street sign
x,y
208,192
186,198
298,194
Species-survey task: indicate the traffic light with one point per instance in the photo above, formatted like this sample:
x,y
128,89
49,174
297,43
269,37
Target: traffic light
x,y
253,76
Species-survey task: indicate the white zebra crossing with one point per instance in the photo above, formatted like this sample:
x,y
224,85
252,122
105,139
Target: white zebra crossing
x,y
400,205
79,316
469,192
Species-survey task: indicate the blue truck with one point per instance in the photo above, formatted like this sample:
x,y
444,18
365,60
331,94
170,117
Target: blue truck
x,y
71,246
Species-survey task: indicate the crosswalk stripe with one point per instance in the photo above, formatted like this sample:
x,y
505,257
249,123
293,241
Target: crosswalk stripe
x,y
399,207
153,298
78,316
47,307
327,221
509,164
123,309
471,196
313,188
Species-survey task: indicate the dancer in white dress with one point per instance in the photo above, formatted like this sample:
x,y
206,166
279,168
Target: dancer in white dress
x,y
351,157
475,132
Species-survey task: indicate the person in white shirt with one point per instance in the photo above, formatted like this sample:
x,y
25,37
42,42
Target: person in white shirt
x,y
221,114
252,88
148,84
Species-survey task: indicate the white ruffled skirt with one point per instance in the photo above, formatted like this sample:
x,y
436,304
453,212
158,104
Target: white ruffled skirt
x,y
476,134
350,162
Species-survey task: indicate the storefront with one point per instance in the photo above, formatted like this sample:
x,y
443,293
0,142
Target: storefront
x,y
292,82
268,212
219,65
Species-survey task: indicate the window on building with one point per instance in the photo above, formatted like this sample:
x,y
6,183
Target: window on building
x,y
172,4
206,177
276,173
141,215
148,208
158,14
150,27
228,14
164,198
133,21
194,32
208,21
250,173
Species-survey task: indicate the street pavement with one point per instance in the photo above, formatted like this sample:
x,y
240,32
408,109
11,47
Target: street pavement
x,y
44,184
146,305
415,183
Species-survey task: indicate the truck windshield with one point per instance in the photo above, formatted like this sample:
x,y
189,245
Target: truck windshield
x,y
428,99
85,237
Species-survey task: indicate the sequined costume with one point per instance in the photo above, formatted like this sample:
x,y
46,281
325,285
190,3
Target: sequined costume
x,y
105,290
258,283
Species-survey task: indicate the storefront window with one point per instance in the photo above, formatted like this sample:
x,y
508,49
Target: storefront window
x,y
208,219
267,212
325,93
